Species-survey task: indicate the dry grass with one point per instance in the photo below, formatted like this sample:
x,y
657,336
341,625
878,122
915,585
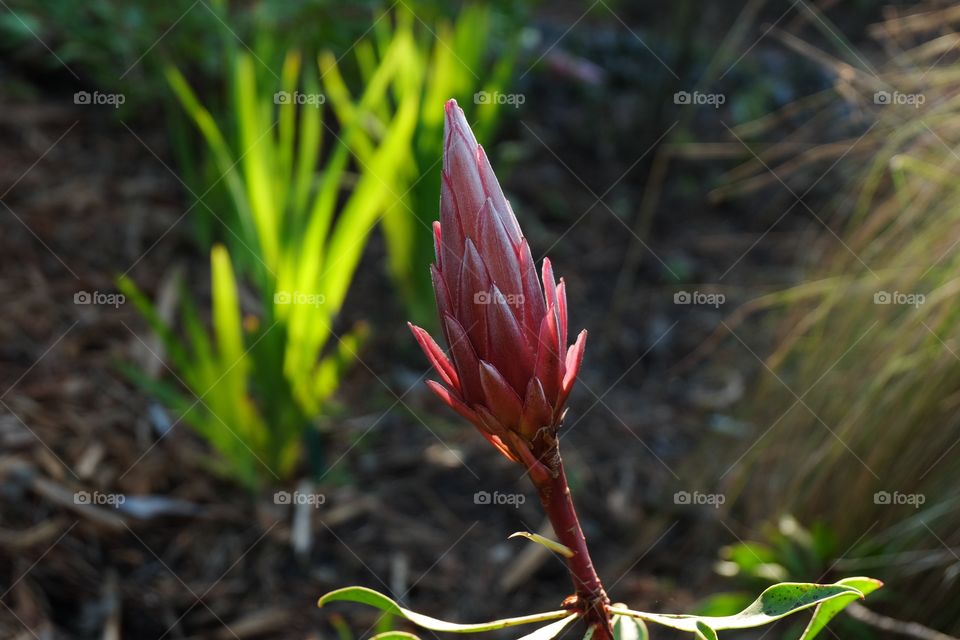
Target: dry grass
x,y
873,403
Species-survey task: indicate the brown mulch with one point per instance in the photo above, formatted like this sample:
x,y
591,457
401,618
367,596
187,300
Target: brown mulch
x,y
88,201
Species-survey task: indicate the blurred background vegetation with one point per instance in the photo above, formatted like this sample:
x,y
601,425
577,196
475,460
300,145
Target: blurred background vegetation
x,y
299,143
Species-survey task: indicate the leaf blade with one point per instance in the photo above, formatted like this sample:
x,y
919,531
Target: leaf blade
x,y
774,603
826,611
363,595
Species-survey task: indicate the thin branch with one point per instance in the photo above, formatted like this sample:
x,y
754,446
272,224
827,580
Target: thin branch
x,y
892,625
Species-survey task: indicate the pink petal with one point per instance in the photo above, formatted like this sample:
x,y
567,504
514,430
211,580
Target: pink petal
x,y
573,362
437,357
466,362
474,286
461,166
451,236
451,400
549,284
502,400
548,357
537,413
533,308
562,312
444,304
437,243
492,187
455,124
496,433
498,252
509,351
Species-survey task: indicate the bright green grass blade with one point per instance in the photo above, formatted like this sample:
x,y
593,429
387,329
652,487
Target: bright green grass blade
x,y
227,322
256,148
218,147
286,131
309,142
174,348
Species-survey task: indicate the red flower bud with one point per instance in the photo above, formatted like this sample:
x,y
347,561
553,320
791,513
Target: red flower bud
x,y
509,371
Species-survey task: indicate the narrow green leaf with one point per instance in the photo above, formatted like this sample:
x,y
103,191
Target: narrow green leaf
x,y
774,603
175,348
373,598
551,630
341,627
286,130
552,545
207,125
627,628
395,635
332,367
226,307
825,611
256,142
705,632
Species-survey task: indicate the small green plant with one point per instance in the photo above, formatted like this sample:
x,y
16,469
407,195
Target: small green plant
x,y
510,372
258,384
785,551
452,58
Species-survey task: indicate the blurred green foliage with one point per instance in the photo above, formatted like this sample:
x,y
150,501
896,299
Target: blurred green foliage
x,y
123,46
283,196
784,551
461,59
297,235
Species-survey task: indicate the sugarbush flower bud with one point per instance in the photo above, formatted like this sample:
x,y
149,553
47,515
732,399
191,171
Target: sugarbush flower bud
x,y
509,370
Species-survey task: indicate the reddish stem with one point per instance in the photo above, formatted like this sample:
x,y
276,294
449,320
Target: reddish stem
x,y
591,599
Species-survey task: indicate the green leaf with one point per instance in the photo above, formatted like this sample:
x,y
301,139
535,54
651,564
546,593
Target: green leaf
x,y
551,630
395,635
774,603
705,632
227,324
552,545
373,598
627,628
341,627
827,610
257,145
